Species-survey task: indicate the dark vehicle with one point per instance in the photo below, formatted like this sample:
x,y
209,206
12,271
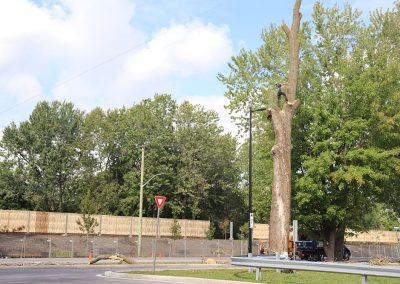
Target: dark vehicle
x,y
314,250
310,250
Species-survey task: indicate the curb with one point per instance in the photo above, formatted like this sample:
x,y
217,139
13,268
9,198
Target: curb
x,y
172,279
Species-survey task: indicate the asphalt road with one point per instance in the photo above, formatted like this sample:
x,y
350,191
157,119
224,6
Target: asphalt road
x,y
81,275
53,275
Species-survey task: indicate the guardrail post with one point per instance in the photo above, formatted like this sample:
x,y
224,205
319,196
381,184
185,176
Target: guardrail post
x,y
258,273
364,279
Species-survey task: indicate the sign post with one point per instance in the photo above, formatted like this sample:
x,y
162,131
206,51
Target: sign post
x,y
159,202
295,237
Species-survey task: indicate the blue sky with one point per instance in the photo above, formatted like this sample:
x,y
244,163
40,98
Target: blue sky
x,y
111,53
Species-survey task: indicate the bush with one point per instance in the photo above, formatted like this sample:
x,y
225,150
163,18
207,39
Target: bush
x,y
61,253
210,232
176,231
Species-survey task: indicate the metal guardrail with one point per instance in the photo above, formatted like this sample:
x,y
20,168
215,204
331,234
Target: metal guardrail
x,y
362,269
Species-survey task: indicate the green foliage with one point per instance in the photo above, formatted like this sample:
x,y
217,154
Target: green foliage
x,y
210,233
175,229
346,169
380,218
64,160
224,226
346,133
43,157
87,224
244,231
61,253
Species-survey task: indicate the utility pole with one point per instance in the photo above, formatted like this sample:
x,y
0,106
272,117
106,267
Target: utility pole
x,y
141,202
251,216
250,242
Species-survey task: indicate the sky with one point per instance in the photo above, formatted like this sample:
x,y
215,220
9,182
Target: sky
x,y
114,53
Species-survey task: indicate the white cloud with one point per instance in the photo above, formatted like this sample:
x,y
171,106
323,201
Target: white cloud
x,y
100,58
181,49
24,87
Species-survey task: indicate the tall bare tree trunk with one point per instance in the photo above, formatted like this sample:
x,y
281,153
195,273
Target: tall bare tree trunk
x,y
282,150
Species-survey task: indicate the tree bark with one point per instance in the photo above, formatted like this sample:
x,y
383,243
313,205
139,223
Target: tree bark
x,y
282,150
329,245
339,242
333,246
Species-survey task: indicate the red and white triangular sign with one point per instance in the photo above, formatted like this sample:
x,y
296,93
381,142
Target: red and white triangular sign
x,y
160,201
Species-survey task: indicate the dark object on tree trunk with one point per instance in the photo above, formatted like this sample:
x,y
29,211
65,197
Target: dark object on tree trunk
x,y
280,94
119,257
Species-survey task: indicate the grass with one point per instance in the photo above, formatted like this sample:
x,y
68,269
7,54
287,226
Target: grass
x,y
270,276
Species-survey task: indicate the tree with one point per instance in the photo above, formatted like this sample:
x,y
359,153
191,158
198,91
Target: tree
x,y
253,73
281,151
347,167
12,187
224,226
87,223
176,231
45,153
207,172
345,134
61,158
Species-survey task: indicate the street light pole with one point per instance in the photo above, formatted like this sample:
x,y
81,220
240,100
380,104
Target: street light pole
x,y
142,185
251,217
141,202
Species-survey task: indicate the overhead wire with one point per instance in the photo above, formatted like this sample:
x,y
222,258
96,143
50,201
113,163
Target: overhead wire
x,y
94,67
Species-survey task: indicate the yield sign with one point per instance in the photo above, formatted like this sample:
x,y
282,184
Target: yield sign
x,y
160,201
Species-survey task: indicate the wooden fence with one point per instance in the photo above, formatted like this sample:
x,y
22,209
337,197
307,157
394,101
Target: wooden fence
x,y
66,223
374,236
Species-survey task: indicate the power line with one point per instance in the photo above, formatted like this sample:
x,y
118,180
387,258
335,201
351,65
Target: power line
x,y
84,72
94,67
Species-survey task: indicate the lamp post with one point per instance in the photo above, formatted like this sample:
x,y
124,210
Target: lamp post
x,y
141,202
142,185
251,217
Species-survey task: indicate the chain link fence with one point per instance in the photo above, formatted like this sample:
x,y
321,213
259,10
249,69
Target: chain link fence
x,y
378,251
30,245
19,245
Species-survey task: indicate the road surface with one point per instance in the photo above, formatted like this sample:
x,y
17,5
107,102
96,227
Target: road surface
x,y
84,274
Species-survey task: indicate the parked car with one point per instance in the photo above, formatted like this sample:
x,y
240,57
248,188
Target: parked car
x,y
314,250
310,250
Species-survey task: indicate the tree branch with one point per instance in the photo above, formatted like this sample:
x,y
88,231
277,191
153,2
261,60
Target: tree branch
x,y
286,29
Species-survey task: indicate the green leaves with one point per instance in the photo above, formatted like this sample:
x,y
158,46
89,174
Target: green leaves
x,y
348,157
46,154
346,133
64,160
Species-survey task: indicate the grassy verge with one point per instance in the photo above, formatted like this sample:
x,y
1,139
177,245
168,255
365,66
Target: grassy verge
x,y
270,276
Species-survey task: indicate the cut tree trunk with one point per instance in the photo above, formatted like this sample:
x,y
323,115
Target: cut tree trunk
x,y
281,184
282,150
121,258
